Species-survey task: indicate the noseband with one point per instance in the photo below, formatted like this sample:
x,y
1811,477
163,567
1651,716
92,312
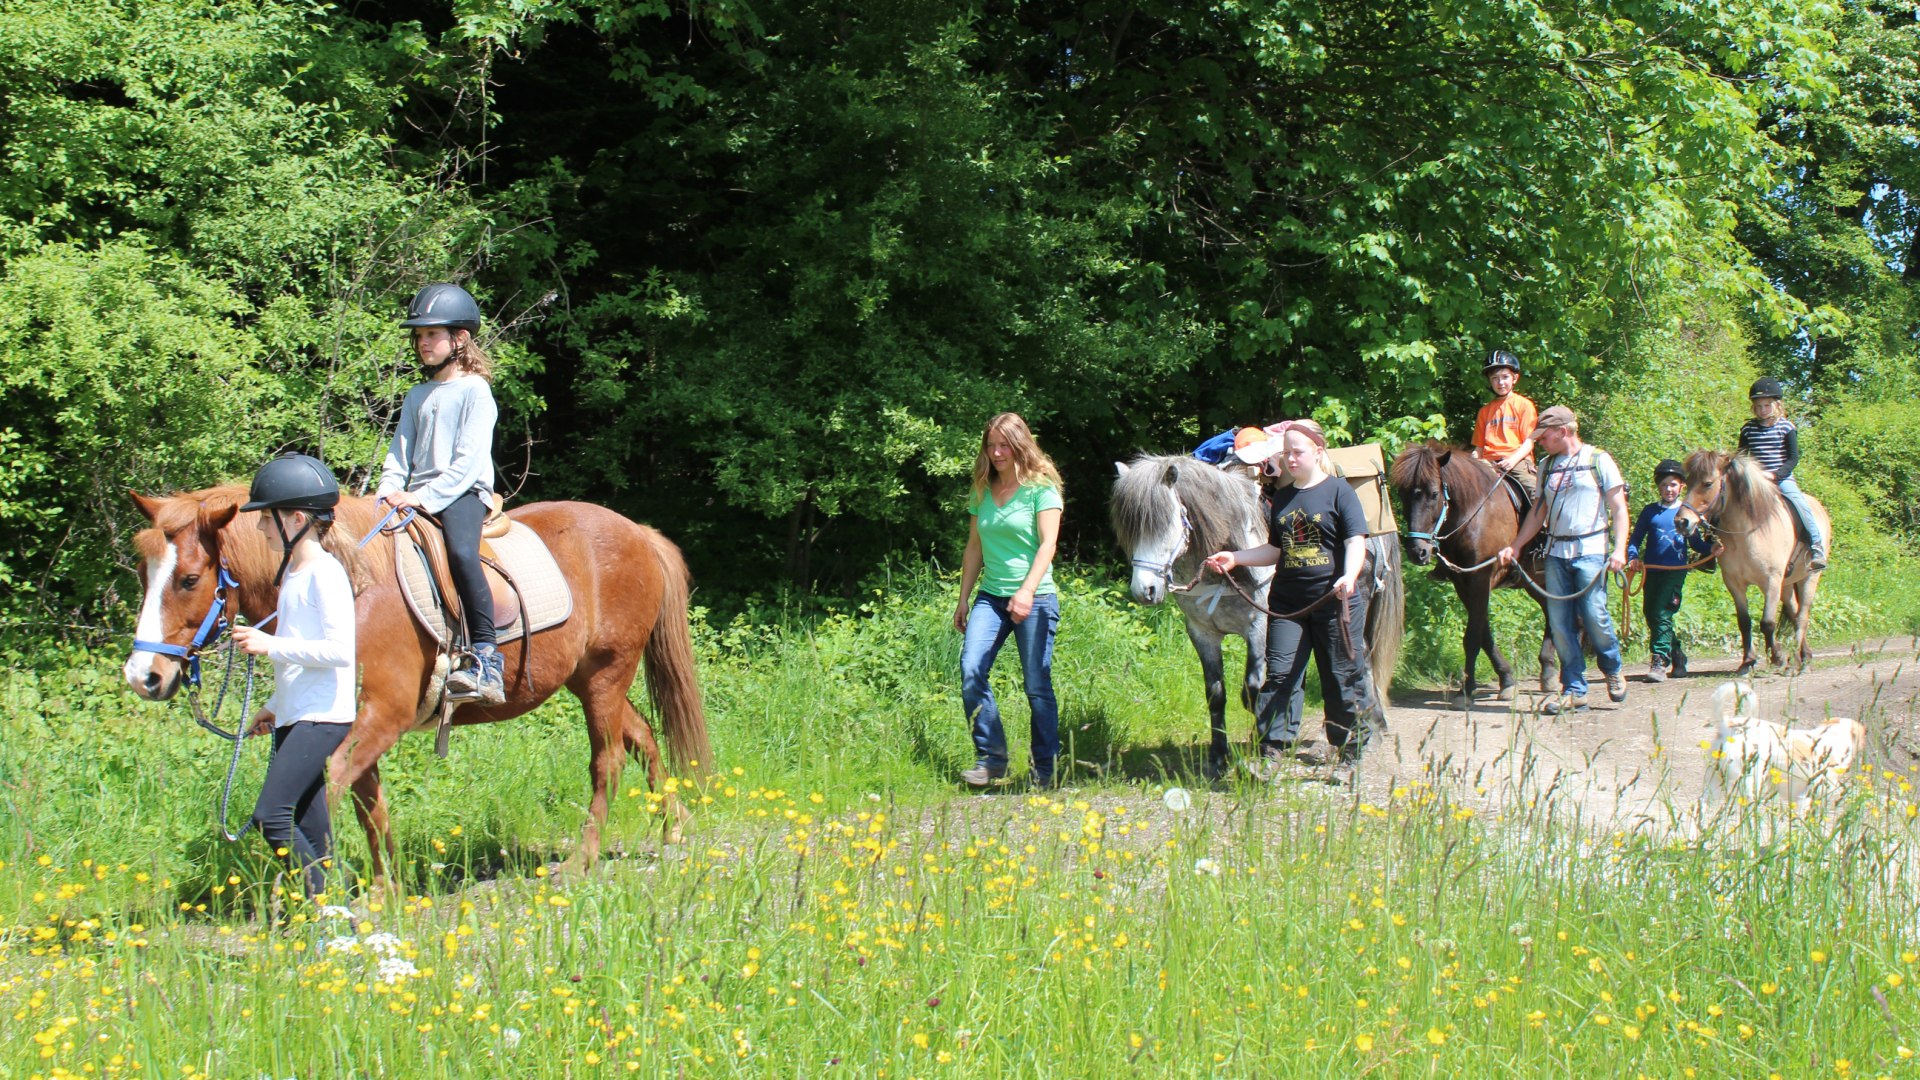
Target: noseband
x,y
211,628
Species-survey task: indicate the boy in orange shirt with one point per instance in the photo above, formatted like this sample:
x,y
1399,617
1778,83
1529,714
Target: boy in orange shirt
x,y
1503,431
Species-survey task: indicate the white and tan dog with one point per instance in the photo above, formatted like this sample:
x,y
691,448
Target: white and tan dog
x,y
1823,756
1748,755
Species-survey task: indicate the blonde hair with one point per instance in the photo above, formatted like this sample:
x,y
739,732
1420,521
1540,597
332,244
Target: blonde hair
x,y
1778,410
1317,435
344,550
470,356
1030,463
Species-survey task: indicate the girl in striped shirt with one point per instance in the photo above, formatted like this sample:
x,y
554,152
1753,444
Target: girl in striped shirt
x,y
1772,440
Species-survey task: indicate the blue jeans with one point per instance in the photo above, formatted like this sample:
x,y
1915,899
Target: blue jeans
x,y
1803,509
1565,576
988,627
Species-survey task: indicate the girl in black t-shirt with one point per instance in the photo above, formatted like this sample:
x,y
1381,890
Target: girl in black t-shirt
x,y
1317,540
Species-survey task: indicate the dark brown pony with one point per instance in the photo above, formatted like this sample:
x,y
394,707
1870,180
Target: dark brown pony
x,y
630,590
1745,513
1455,514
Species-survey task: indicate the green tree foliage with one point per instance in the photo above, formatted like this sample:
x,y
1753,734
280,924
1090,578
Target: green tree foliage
x,y
765,266
811,251
205,223
1842,231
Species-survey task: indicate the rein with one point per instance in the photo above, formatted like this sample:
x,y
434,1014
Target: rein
x,y
1533,586
212,629
1165,571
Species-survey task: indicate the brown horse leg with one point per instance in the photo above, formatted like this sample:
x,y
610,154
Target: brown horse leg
x,y
370,806
1770,621
356,766
1745,618
640,742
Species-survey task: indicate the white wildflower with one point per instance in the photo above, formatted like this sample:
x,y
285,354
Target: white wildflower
x,y
1177,800
382,943
393,969
345,943
510,1036
1209,867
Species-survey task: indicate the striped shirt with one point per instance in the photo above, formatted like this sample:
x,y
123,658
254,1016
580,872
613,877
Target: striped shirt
x,y
1775,446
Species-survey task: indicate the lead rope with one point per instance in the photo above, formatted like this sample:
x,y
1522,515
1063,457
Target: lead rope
x,y
238,736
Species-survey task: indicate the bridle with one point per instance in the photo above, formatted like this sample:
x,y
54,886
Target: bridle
x,y
211,627
1433,535
1163,569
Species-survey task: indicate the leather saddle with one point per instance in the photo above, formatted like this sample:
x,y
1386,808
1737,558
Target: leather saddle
x,y
508,603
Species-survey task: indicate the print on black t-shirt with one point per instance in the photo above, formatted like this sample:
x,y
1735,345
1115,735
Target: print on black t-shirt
x,y
1310,528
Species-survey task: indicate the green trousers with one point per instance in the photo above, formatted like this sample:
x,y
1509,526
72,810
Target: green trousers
x,y
1661,601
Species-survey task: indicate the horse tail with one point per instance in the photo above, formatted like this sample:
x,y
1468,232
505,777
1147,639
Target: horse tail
x,y
671,685
1387,617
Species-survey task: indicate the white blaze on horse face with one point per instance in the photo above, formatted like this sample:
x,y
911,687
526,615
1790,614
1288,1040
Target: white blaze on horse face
x,y
150,627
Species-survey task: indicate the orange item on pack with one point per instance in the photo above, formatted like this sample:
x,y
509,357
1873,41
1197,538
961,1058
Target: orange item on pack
x,y
1503,424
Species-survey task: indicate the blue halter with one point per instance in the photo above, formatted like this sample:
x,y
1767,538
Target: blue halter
x,y
1446,504
211,627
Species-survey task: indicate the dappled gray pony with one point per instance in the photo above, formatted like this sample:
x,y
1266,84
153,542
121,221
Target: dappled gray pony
x,y
1171,512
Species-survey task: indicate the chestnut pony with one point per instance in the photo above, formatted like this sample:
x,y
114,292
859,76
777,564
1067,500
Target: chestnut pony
x,y
1731,499
630,588
1457,515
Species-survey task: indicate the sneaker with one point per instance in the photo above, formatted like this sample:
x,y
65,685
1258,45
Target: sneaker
x,y
483,678
1317,754
1657,671
983,775
1617,686
1565,703
463,682
1043,781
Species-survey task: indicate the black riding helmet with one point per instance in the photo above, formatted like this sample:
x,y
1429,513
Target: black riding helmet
x,y
293,482
443,304
1500,358
1666,468
1766,388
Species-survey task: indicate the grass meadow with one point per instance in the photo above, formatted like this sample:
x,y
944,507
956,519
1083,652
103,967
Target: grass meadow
x,y
840,908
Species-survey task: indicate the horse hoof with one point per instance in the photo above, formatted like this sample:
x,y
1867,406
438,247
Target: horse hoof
x,y
1462,701
1549,683
1507,693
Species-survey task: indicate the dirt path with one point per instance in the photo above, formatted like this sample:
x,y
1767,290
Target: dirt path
x,y
1636,761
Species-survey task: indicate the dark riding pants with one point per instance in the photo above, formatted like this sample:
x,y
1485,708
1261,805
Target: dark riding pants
x,y
1660,601
292,811
461,522
1346,686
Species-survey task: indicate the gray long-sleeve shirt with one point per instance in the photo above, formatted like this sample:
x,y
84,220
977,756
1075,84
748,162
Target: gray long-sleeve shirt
x,y
443,444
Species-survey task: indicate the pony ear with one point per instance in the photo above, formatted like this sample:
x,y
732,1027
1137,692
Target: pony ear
x,y
219,517
148,504
1443,459
1171,476
1120,468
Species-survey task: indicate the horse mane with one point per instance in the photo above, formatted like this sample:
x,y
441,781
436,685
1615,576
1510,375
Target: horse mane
x,y
1220,505
242,545
1467,477
1749,492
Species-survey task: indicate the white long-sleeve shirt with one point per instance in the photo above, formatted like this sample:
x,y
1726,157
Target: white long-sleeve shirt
x,y
313,652
443,445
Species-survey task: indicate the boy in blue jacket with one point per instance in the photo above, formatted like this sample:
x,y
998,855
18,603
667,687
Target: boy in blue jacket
x,y
1656,541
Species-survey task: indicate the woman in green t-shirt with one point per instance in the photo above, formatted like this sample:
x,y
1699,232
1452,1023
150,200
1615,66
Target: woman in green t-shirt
x,y
1015,507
